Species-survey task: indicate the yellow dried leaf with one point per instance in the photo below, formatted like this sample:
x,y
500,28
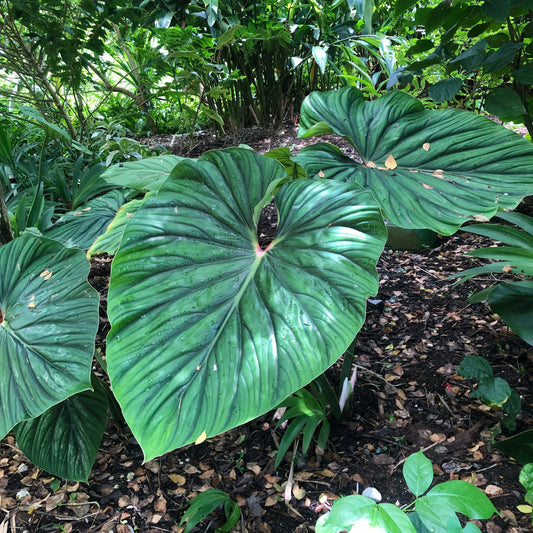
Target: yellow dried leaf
x,y
371,164
507,268
526,509
426,146
298,492
201,438
426,186
177,479
31,304
390,162
325,473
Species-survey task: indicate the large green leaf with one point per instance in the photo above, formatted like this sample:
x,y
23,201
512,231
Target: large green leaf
x,y
48,323
144,175
209,330
431,169
514,303
64,440
80,228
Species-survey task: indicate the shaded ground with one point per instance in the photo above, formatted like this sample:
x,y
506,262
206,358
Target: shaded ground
x,y
408,396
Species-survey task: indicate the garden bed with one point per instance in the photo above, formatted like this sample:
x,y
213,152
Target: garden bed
x,y
408,396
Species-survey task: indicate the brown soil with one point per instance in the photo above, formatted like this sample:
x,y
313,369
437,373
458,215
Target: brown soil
x,y
408,396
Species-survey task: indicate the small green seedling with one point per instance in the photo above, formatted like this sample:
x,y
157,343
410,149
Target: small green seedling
x,y
435,512
205,503
493,391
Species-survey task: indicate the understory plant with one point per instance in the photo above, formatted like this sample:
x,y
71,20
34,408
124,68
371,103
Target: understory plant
x,y
512,300
210,329
494,391
205,503
432,510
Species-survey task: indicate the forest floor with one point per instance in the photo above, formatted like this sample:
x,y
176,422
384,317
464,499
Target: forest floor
x,y
408,396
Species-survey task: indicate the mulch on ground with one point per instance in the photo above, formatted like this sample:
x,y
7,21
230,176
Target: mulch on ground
x,y
408,396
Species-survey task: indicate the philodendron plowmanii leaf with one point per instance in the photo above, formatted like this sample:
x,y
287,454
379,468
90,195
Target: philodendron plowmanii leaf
x,y
144,175
432,169
81,227
48,323
208,329
64,440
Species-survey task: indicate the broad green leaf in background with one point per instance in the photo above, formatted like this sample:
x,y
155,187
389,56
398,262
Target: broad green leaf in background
x,y
445,90
144,175
109,241
64,440
474,367
418,473
501,57
359,513
524,74
48,323
497,9
472,57
209,330
432,169
80,228
504,103
512,301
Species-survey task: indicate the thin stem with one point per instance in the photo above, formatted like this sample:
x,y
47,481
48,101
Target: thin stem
x,y
6,234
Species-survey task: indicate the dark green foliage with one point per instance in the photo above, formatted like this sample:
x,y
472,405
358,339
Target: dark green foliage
x,y
485,45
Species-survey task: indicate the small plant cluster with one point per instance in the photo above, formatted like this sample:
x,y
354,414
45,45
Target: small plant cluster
x,y
432,510
494,391
194,299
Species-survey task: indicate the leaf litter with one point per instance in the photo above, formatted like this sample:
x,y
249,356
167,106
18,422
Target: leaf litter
x,y
407,396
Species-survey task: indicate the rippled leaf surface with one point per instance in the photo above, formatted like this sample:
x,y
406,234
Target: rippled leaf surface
x,y
450,165
48,323
208,329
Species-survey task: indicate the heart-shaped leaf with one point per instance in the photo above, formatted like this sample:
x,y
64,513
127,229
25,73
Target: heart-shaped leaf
x,y
81,227
451,165
208,329
48,323
64,440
